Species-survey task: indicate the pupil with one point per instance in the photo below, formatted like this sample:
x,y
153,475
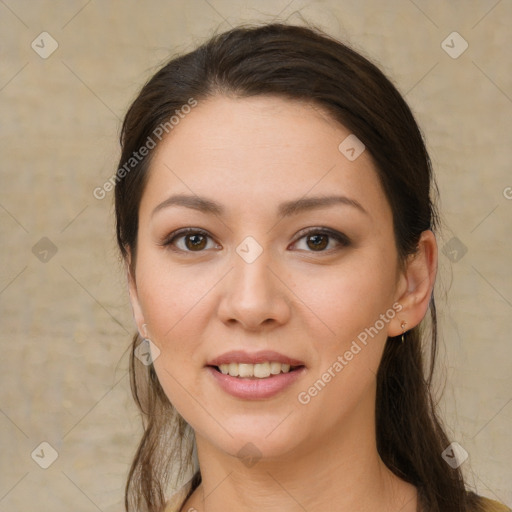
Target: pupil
x,y
198,244
316,244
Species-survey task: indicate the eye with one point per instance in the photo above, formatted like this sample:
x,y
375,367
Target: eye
x,y
317,239
194,240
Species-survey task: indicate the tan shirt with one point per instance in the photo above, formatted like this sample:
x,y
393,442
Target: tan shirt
x,y
176,501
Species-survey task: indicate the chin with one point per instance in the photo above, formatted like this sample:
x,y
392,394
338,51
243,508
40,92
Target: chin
x,y
258,441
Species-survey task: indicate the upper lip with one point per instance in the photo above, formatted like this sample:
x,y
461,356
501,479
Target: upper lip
x,y
263,356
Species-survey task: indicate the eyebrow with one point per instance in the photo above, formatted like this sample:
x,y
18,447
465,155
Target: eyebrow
x,y
285,209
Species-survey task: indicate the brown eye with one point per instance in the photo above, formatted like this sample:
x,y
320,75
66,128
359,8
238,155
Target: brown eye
x,y
317,240
194,242
187,240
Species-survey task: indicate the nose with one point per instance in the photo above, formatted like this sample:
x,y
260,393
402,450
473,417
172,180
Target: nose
x,y
255,295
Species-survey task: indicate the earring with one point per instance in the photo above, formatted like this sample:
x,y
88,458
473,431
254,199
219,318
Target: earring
x,y
402,325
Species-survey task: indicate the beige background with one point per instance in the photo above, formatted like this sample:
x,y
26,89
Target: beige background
x,y
66,322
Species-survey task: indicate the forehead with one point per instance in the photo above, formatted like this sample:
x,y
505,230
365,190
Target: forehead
x,y
260,149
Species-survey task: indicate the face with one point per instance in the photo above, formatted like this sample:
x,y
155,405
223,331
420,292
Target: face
x,y
267,273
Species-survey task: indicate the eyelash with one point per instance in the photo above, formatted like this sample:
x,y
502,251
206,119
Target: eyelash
x,y
342,239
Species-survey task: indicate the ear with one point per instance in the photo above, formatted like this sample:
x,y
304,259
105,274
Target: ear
x,y
134,299
416,284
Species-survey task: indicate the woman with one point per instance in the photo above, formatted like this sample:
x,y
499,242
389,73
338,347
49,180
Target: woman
x,y
274,210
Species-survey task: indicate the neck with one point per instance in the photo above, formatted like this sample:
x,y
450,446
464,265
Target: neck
x,y
343,472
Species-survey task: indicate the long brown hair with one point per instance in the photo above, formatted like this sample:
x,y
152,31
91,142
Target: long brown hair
x,y
306,64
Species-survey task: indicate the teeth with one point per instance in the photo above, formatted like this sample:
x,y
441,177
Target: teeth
x,y
245,370
275,368
259,370
232,369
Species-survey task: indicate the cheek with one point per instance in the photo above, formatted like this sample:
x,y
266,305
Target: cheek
x,y
171,296
174,303
345,300
348,348
349,340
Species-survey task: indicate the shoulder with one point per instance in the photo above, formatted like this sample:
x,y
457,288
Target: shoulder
x,y
487,505
177,499
483,504
175,502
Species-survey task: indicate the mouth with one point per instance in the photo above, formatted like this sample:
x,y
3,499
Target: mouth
x,y
263,370
255,375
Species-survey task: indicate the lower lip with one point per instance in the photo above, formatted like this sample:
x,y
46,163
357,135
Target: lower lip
x,y
254,388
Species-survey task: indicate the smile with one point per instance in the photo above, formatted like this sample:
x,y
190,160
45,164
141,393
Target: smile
x,y
258,371
251,387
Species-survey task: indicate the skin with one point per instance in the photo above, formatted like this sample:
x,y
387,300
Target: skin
x,y
250,155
